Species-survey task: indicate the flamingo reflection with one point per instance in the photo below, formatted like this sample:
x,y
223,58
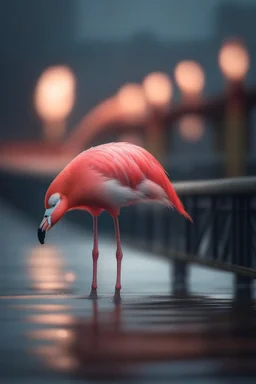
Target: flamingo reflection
x,y
118,340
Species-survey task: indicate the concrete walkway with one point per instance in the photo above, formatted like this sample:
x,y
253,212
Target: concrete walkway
x,y
40,288
142,274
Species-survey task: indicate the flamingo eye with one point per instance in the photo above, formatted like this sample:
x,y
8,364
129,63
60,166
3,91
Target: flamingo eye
x,y
53,200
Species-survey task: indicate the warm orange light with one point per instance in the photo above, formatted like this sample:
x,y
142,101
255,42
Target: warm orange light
x,y
57,357
234,60
189,76
191,128
46,269
158,89
55,94
132,102
59,319
70,277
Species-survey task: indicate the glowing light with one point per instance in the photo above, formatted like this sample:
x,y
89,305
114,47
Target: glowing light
x,y
59,319
66,363
63,333
132,101
46,269
189,77
42,307
55,94
158,89
59,335
70,277
191,128
234,60
56,357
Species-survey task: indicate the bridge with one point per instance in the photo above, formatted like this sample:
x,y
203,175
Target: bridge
x,y
188,298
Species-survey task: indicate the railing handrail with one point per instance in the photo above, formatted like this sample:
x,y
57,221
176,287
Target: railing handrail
x,y
172,254
231,186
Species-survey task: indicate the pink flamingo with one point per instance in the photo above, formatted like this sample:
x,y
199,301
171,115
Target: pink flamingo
x,y
107,177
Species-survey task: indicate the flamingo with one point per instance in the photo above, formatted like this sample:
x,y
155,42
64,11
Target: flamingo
x,y
107,177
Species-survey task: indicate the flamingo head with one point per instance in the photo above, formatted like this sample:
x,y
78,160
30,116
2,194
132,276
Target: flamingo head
x,y
56,206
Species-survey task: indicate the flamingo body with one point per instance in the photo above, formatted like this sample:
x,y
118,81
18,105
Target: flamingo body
x,y
108,177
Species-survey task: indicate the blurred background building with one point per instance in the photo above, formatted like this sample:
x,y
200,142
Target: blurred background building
x,y
109,43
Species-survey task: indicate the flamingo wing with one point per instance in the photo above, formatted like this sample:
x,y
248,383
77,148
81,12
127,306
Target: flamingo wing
x,y
129,174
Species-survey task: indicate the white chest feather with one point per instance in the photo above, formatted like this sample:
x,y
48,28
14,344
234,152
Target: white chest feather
x,y
118,195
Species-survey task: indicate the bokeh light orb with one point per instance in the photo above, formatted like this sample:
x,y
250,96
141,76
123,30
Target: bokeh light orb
x,y
70,277
158,89
55,93
189,76
132,102
234,60
191,128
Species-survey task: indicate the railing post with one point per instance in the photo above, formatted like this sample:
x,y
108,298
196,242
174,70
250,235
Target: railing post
x,y
243,288
180,278
242,246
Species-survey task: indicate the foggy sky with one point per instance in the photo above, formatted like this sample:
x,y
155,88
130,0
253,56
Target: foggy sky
x,y
171,20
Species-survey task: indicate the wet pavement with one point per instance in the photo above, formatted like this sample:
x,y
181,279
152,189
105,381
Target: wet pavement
x,y
51,333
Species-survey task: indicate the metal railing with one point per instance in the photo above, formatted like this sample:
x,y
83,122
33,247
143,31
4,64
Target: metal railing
x,y
223,235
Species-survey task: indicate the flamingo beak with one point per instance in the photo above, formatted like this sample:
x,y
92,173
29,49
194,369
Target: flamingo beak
x,y
44,226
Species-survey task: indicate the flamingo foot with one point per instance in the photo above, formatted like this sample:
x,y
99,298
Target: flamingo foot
x,y
93,295
117,297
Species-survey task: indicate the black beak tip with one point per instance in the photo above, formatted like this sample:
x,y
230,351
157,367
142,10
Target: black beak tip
x,y
41,235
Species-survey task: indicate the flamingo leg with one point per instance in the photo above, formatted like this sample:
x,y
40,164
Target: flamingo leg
x,y
95,256
119,256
